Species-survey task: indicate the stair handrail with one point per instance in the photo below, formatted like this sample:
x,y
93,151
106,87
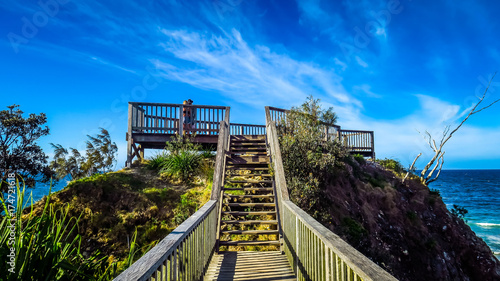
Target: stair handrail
x,y
220,160
184,254
323,253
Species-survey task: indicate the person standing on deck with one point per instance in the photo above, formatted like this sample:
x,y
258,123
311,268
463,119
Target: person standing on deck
x,y
189,115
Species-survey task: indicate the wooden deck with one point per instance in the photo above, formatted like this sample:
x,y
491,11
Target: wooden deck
x,y
150,125
258,266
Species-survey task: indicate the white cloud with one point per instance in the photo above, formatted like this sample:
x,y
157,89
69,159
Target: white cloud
x,y
361,62
366,90
400,138
249,74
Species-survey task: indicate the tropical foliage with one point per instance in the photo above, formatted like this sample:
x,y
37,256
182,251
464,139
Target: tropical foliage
x,y
46,245
19,150
99,158
182,159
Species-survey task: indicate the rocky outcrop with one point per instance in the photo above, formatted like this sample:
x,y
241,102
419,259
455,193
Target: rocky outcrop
x,y
404,227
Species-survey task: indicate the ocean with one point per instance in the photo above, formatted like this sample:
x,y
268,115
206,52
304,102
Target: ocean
x,y
478,191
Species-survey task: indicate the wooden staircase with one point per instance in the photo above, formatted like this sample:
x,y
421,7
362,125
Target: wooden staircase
x,y
248,218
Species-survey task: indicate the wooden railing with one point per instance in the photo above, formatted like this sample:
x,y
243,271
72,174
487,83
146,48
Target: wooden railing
x,y
247,129
184,254
360,141
355,141
164,118
276,114
314,252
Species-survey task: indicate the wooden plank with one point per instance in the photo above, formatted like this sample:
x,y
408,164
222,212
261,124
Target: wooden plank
x,y
250,232
250,266
253,213
250,222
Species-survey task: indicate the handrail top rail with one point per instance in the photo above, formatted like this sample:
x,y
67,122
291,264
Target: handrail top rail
x,y
179,104
147,264
241,124
363,266
356,131
277,109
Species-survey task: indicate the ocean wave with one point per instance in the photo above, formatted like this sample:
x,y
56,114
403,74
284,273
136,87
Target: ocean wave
x,y
488,225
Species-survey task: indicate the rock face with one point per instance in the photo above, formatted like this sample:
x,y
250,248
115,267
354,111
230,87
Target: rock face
x,y
404,227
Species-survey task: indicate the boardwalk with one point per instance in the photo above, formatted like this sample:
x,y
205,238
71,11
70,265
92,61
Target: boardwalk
x,y
249,208
258,266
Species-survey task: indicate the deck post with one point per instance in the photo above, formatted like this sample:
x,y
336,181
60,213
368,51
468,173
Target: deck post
x,y
226,117
373,145
129,137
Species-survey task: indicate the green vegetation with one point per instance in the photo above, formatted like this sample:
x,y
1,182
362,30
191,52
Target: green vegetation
x,y
360,159
182,160
99,158
47,245
391,164
308,161
19,150
459,212
353,229
107,222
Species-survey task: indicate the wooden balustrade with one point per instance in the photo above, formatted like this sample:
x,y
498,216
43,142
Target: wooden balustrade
x,y
275,114
183,254
247,129
361,142
314,252
164,118
356,141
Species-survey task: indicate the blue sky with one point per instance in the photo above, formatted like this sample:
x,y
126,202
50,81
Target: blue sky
x,y
395,67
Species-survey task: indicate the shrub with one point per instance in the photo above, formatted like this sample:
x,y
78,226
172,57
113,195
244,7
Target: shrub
x,y
182,159
459,212
359,158
307,159
391,164
182,165
157,161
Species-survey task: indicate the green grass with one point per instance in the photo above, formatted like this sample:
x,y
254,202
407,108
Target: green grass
x,y
47,246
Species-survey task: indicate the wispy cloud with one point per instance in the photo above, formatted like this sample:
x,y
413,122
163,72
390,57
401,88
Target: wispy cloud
x,y
249,74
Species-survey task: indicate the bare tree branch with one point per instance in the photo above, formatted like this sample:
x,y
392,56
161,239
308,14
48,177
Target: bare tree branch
x,y
425,175
412,167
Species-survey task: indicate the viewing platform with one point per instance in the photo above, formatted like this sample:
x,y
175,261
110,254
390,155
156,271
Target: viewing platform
x,y
151,125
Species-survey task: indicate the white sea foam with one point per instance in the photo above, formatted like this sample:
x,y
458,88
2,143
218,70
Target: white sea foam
x,y
488,225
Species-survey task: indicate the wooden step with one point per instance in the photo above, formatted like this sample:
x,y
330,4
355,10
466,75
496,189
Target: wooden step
x,y
245,168
230,196
273,222
262,149
250,232
249,204
252,153
242,145
249,175
251,213
248,159
248,138
249,181
250,188
249,243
